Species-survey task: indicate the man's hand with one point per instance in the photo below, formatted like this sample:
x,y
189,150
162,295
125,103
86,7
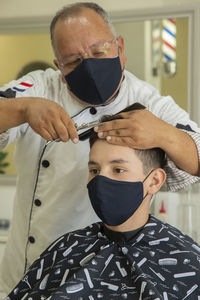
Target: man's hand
x,y
45,117
138,129
49,120
142,130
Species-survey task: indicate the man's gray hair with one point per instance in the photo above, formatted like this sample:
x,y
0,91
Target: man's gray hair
x,y
75,9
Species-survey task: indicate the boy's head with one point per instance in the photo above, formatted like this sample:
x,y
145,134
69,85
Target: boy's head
x,y
124,164
150,158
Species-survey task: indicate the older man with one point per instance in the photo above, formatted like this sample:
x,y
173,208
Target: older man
x,y
91,81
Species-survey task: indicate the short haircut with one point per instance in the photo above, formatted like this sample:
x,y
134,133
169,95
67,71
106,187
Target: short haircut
x,y
151,158
74,10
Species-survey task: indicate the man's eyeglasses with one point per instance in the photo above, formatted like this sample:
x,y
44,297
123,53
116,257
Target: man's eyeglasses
x,y
99,50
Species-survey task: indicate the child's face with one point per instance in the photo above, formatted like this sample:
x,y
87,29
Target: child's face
x,y
122,164
115,162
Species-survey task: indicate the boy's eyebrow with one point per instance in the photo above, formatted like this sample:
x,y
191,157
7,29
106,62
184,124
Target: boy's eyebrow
x,y
114,161
119,161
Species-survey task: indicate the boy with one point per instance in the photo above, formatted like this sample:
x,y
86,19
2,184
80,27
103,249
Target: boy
x,y
131,255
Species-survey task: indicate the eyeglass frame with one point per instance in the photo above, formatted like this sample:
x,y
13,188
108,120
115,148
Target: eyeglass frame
x,y
89,55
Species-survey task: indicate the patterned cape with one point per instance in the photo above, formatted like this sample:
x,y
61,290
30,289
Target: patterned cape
x,y
159,262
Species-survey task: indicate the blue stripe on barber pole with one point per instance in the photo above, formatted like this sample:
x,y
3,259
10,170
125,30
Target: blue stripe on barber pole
x,y
169,51
169,40
171,33
167,57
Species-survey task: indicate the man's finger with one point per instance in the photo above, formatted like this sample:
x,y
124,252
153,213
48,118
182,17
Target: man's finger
x,y
116,133
52,131
61,130
121,141
46,134
115,124
73,134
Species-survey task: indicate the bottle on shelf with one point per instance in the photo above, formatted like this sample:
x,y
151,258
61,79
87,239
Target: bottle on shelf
x,y
162,213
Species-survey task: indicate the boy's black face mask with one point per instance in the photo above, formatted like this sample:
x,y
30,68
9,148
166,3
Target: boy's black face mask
x,y
95,80
115,201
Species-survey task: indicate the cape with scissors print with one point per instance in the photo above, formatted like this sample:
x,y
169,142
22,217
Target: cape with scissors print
x,y
158,262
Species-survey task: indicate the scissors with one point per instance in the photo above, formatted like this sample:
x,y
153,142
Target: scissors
x,y
88,125
84,135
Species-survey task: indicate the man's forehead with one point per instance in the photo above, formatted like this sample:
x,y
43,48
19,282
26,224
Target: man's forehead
x,y
74,19
87,19
84,17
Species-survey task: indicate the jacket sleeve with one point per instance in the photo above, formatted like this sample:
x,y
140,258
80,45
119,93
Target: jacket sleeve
x,y
30,85
179,179
171,113
167,110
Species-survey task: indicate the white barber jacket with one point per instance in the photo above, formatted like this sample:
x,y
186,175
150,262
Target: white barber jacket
x,y
51,196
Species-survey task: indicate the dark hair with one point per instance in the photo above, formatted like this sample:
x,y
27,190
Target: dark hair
x,y
73,10
151,158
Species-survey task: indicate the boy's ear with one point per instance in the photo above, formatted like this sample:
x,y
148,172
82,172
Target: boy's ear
x,y
157,179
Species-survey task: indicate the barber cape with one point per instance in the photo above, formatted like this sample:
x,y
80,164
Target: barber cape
x,y
158,262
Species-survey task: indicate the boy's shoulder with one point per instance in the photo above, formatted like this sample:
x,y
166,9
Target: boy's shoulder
x,y
159,232
91,232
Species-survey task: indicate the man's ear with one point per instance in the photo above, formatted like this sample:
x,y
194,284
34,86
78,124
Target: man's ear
x,y
122,56
157,179
56,63
57,66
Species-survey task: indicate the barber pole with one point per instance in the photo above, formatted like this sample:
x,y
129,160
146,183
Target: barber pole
x,y
169,46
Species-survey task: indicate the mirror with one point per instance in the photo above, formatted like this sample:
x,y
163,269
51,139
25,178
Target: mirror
x,y
148,43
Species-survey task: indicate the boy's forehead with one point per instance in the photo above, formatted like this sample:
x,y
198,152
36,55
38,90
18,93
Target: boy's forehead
x,y
102,151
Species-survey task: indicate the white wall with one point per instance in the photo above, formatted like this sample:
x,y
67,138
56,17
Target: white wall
x,y
26,11
24,8
133,34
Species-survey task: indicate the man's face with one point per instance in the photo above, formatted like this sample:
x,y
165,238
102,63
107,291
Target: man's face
x,y
77,35
116,162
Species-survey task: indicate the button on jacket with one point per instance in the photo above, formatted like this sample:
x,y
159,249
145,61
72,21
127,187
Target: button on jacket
x,y
56,175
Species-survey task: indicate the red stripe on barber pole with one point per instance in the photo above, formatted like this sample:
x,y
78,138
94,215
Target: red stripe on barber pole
x,y
170,46
172,21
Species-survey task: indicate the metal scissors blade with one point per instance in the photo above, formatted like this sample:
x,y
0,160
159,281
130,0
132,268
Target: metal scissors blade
x,y
88,125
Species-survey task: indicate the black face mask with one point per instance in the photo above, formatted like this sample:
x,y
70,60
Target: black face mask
x,y
115,201
95,80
